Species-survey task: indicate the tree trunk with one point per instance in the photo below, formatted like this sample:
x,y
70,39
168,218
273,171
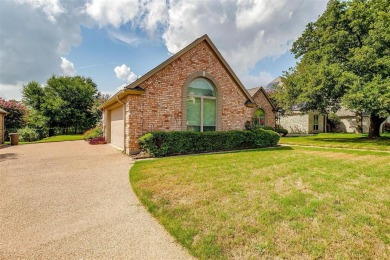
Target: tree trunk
x,y
375,124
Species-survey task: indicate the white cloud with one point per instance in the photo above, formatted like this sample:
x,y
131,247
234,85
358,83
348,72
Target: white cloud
x,y
36,33
121,72
51,8
245,31
262,79
11,91
67,67
32,42
126,38
124,73
114,13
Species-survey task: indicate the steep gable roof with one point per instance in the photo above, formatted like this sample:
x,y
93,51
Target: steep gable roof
x,y
2,111
204,38
261,89
253,91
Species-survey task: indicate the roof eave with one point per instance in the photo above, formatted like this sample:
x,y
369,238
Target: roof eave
x,y
120,94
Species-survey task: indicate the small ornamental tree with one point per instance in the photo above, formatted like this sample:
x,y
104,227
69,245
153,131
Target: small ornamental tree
x,y
16,113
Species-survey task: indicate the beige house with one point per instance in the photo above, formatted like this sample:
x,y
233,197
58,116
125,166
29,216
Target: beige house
x,y
3,113
298,122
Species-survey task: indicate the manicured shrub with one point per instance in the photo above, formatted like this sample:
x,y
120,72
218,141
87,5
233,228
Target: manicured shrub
x,y
27,134
187,142
93,132
282,131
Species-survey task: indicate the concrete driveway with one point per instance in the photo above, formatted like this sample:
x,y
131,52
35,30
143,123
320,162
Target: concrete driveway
x,y
72,200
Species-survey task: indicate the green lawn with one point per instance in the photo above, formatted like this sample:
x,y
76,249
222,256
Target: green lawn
x,y
286,202
57,138
355,141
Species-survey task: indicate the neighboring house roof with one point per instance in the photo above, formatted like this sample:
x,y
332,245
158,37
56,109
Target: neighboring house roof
x,y
135,84
343,111
2,111
272,85
253,91
261,89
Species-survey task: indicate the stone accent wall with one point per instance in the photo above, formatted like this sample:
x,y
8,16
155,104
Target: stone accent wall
x,y
160,107
352,124
366,124
2,128
295,123
263,103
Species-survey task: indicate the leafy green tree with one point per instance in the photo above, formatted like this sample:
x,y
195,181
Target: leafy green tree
x,y
16,113
64,101
33,95
344,59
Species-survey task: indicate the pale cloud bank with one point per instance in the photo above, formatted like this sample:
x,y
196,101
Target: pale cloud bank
x,y
35,34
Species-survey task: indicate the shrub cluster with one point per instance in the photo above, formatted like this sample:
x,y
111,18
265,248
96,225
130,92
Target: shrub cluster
x,y
27,134
93,132
187,142
252,126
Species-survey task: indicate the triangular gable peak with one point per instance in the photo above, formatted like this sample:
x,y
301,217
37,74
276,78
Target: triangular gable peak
x,y
261,90
134,88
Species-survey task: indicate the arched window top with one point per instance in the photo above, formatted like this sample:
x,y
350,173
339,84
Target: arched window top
x,y
201,87
259,113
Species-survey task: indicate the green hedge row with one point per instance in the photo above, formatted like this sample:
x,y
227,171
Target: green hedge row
x,y
186,142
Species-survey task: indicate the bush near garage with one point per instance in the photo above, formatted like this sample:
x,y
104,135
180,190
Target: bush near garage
x,y
161,144
93,133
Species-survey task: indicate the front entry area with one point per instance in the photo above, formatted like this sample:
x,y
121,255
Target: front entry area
x,y
117,127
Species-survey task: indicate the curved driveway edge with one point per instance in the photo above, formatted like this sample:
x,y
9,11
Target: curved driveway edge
x,y
72,200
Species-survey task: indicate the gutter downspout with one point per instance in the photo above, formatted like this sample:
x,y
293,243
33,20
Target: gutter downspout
x,y
124,125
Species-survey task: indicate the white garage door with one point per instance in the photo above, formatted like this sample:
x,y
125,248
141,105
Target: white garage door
x,y
117,127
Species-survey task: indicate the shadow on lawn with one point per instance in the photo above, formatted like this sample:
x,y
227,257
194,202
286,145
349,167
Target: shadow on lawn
x,y
383,141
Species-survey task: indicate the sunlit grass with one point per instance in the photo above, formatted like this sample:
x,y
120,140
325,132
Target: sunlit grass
x,y
355,141
282,202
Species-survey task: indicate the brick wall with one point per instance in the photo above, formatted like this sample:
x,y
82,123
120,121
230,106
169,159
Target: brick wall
x,y
160,107
263,103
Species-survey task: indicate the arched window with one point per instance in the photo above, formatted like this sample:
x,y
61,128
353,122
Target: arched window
x,y
260,117
201,106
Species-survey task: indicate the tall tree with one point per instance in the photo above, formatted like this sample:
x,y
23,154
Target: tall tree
x,y
344,59
65,101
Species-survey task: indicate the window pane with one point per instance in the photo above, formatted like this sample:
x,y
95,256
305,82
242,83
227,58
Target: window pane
x,y
193,111
201,87
208,128
209,112
195,128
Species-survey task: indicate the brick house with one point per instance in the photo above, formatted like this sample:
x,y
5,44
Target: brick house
x,y
3,113
194,90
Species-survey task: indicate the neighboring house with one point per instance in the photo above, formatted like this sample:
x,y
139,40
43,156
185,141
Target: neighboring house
x,y
3,113
313,122
193,90
297,122
353,122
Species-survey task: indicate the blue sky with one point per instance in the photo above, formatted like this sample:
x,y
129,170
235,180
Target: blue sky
x,y
114,42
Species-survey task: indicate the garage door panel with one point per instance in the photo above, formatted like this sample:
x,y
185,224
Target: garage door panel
x,y
117,127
